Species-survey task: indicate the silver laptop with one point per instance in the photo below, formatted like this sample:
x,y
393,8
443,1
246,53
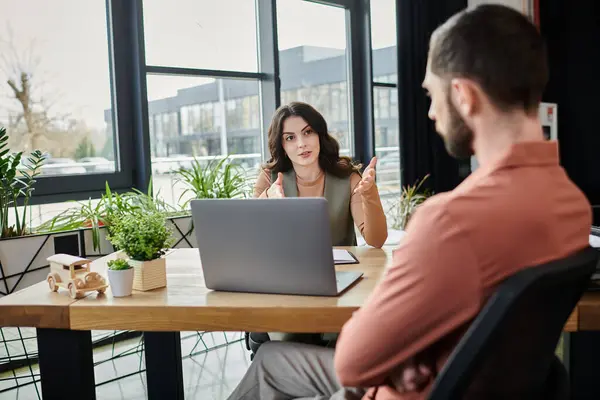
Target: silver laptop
x,y
268,246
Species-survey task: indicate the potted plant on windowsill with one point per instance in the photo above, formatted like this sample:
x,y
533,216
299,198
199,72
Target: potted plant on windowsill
x,y
142,238
23,252
217,178
120,277
410,199
17,180
95,217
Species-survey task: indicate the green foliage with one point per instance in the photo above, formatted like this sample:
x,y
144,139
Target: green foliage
x,y
407,204
143,236
217,180
17,180
111,207
85,149
118,265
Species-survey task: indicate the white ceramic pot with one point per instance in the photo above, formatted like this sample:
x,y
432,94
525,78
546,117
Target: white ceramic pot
x,y
121,282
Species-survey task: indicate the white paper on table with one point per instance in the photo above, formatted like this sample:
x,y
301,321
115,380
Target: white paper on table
x,y
595,241
341,256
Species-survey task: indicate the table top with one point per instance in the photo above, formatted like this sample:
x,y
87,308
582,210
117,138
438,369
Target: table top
x,y
187,305
586,317
36,306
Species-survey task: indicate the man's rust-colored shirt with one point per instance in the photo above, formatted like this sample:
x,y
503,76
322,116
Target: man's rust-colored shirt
x,y
521,211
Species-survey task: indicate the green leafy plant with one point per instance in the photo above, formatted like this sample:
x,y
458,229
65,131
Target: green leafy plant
x,y
111,207
118,265
219,179
143,236
17,180
407,204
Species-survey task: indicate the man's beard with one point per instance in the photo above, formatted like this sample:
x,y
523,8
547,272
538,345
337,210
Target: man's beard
x,y
459,137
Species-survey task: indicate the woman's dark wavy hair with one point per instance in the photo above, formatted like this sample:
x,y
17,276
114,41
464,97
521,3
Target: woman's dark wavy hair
x,y
329,155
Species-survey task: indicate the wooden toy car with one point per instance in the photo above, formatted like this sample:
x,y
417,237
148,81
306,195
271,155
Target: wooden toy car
x,y
73,273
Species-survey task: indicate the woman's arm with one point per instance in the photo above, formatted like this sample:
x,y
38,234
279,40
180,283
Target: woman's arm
x,y
263,183
368,214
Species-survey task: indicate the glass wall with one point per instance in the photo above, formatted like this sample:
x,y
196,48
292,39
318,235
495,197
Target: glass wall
x,y
217,35
385,97
314,63
73,90
198,114
55,84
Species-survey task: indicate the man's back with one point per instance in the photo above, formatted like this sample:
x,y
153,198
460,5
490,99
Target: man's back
x,y
520,212
516,213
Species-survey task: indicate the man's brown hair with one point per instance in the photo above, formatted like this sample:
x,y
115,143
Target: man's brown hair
x,y
497,47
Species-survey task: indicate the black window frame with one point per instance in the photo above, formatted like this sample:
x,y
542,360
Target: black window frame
x,y
121,47
130,104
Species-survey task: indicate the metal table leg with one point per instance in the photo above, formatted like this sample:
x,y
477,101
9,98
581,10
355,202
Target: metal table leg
x,y
66,364
164,368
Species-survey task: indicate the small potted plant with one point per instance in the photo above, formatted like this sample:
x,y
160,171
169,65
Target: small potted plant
x,y
410,199
142,237
120,276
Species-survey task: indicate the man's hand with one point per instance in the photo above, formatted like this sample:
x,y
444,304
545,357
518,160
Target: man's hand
x,y
276,189
412,376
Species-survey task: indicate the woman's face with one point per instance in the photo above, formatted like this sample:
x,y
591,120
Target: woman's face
x,y
300,142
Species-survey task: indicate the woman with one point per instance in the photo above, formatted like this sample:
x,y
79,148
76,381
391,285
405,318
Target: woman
x,y
305,162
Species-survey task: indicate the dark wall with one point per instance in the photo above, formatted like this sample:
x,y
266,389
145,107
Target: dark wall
x,y
422,149
572,33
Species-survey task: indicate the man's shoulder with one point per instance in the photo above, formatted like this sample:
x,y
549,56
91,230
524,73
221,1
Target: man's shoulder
x,y
434,212
440,203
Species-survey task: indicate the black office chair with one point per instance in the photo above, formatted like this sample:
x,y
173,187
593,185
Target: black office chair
x,y
508,350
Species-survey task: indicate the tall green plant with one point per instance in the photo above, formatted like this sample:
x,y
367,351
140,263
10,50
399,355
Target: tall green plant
x,y
17,180
407,204
217,180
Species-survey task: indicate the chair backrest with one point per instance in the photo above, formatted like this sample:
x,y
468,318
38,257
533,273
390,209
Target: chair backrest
x,y
507,350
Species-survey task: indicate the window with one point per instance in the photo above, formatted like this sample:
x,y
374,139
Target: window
x,y
236,136
385,96
384,102
212,87
383,40
254,112
314,62
92,73
201,34
55,85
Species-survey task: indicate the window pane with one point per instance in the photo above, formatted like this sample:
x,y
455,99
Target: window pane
x,y
55,87
313,62
387,142
201,34
383,40
190,112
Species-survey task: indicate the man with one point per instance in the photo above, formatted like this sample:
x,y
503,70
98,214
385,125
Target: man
x,y
486,73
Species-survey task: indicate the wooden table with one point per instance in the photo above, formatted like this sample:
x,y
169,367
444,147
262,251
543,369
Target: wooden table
x,y
586,317
187,305
64,325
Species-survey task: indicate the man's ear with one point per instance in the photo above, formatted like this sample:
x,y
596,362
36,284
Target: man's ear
x,y
464,95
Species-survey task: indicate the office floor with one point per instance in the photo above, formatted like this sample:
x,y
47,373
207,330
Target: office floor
x,y
208,375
